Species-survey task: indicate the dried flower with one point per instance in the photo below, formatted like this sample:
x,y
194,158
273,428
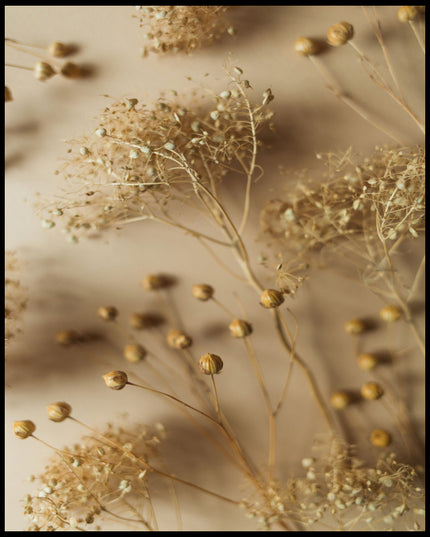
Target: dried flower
x,y
71,70
67,337
372,390
354,327
23,429
116,379
340,399
340,33
178,339
107,313
152,282
210,364
59,50
271,298
390,313
203,291
306,46
58,411
380,438
44,71
366,361
407,13
134,353
240,328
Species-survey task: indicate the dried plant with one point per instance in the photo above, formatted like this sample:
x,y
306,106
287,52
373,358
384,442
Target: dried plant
x,y
181,28
15,296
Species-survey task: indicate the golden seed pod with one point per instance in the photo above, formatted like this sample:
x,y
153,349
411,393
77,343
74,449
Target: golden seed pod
x,y
152,282
23,429
271,298
116,380
210,364
58,411
139,321
43,71
134,353
107,313
390,313
305,46
340,400
7,95
203,291
340,33
372,390
407,13
240,328
71,70
367,362
178,339
380,438
67,337
59,50
354,327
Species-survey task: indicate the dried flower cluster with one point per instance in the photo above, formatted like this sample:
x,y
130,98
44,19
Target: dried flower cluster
x,y
182,28
15,296
94,481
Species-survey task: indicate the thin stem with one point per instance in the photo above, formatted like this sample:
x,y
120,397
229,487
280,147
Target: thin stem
x,y
19,66
417,35
217,407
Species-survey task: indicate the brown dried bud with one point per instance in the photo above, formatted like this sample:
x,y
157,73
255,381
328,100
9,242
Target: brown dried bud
x,y
23,429
340,33
210,364
152,282
43,71
107,313
355,327
67,337
407,13
372,390
380,438
71,70
59,50
178,339
134,353
271,298
140,320
7,95
306,47
203,291
116,380
240,328
390,313
58,411
366,362
340,400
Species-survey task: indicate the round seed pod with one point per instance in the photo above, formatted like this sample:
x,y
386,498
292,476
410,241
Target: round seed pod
x,y
354,327
67,337
271,298
203,291
140,321
390,313
178,339
151,282
407,13
43,71
58,411
7,95
59,50
340,399
380,438
107,313
306,47
210,364
134,353
340,33
367,362
116,380
372,391
240,328
71,70
23,429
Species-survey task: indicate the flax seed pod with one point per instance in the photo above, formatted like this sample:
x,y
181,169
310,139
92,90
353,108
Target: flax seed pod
x,y
306,46
372,390
340,399
107,313
151,282
67,337
115,379
178,339
24,428
271,298
134,353
43,71
59,50
7,95
354,327
390,313
340,33
407,13
58,411
71,70
203,291
367,362
380,438
210,364
240,328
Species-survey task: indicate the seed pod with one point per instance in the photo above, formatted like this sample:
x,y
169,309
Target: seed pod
x,y
390,313
367,362
152,282
210,364
67,337
140,320
59,50
340,33
354,327
134,353
107,313
71,70
305,46
407,13
58,411
240,328
178,339
116,379
23,429
7,95
203,291
372,391
340,400
43,71
380,438
271,298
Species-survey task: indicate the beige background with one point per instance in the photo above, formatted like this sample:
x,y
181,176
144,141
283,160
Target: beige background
x,y
66,283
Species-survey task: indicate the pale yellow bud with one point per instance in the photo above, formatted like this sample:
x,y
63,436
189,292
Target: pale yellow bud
x,y
372,391
340,33
178,339
240,328
107,313
340,400
116,380
355,327
23,429
134,353
305,46
366,362
210,364
390,313
43,71
203,291
271,298
380,438
58,411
